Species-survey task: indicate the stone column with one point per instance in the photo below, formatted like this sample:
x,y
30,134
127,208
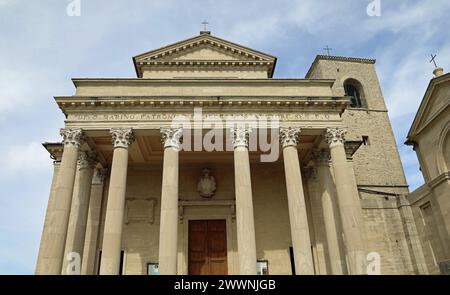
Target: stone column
x,y
112,235
244,203
80,205
168,234
93,223
54,251
348,202
330,211
315,219
301,241
42,261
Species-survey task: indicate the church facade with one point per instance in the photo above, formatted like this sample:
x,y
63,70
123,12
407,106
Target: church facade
x,y
430,137
206,164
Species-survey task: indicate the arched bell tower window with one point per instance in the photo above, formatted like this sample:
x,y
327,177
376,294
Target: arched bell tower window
x,y
353,89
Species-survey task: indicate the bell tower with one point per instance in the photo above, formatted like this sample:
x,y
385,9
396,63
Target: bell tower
x,y
377,162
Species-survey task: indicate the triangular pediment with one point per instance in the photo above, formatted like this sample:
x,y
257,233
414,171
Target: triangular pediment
x,y
435,101
203,50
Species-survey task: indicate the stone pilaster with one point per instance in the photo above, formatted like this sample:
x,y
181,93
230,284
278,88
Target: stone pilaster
x,y
112,236
348,202
168,237
80,206
301,241
244,202
57,233
412,236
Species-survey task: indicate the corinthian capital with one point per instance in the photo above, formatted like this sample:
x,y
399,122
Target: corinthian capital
x,y
241,136
122,137
172,137
335,136
72,137
87,160
289,136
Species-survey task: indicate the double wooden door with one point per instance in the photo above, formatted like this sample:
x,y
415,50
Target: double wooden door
x,y
207,247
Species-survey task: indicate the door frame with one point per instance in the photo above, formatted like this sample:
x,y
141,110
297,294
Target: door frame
x,y
231,240
206,222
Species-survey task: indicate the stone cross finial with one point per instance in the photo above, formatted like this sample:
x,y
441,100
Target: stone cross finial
x,y
241,136
172,137
122,137
335,136
72,137
205,25
289,136
438,71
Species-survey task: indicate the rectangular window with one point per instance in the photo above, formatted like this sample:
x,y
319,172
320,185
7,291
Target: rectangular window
x,y
365,140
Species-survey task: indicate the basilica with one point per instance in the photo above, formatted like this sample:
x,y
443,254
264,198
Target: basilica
x,y
205,163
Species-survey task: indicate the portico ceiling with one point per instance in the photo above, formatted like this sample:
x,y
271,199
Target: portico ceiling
x,y
149,150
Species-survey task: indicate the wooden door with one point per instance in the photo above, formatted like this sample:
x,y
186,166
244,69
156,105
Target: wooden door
x,y
207,247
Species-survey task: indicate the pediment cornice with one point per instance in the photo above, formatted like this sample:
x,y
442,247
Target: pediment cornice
x,y
227,54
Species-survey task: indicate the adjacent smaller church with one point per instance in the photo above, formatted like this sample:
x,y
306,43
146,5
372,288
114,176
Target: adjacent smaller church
x,y
128,197
430,137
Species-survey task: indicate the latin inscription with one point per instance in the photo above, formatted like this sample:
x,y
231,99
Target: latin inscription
x,y
210,116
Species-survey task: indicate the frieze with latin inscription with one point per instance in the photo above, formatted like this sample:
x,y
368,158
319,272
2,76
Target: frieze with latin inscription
x,y
129,116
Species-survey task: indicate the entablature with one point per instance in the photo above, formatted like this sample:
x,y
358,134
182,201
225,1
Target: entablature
x,y
265,104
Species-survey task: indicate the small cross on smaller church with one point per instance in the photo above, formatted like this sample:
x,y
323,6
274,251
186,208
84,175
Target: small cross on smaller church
x,y
205,25
433,60
328,49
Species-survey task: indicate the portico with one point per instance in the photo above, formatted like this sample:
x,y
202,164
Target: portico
x,y
235,207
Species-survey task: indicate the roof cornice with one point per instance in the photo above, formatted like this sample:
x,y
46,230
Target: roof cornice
x,y
339,58
88,102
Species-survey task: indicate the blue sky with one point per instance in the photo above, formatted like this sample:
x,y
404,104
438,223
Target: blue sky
x,y
41,48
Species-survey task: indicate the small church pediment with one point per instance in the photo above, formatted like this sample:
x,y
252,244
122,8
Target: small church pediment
x,y
440,100
435,101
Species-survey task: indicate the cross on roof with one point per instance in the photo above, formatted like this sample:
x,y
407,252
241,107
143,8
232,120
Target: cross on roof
x,y
205,25
433,59
328,49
